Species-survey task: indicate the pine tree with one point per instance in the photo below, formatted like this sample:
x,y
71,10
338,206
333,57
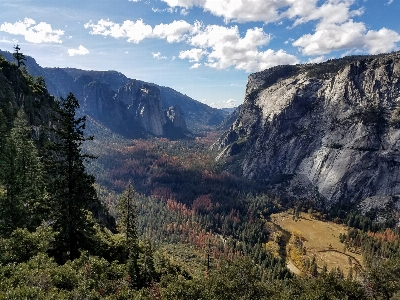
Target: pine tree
x,y
19,57
23,205
127,224
71,187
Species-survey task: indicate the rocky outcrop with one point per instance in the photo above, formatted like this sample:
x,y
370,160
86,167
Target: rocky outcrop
x,y
333,127
149,111
176,118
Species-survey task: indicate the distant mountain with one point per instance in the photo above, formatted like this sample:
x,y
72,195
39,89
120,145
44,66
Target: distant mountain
x,y
331,130
232,115
101,93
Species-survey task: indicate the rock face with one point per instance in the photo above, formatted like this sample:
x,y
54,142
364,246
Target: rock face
x,y
334,127
149,111
175,116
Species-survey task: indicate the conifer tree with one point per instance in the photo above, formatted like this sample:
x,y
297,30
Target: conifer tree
x,y
19,57
23,205
127,224
70,186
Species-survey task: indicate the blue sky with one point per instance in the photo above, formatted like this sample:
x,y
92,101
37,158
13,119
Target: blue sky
x,y
203,48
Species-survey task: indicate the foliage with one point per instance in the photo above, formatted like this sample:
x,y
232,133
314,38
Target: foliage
x,y
22,177
70,186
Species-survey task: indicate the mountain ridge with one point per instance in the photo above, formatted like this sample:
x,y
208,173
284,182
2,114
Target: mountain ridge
x,y
61,81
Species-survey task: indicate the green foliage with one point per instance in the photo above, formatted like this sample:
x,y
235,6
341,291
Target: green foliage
x,y
70,187
383,278
22,178
22,245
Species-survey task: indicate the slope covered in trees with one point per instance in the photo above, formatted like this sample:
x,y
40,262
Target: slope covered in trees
x,y
174,208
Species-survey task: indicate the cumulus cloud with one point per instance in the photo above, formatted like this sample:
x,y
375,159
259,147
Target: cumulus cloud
x,y
316,60
220,47
347,36
173,32
133,31
79,51
194,55
381,41
225,48
331,12
241,11
335,29
40,33
272,10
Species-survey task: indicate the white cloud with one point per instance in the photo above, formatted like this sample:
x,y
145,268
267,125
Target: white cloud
x,y
390,2
158,55
347,36
330,12
381,41
194,55
195,66
79,51
235,10
40,33
225,48
272,10
222,47
173,32
229,103
316,60
134,31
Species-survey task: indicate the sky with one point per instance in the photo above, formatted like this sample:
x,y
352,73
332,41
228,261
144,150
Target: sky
x,y
205,49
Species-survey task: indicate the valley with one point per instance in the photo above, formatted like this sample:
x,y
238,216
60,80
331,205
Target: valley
x,y
193,217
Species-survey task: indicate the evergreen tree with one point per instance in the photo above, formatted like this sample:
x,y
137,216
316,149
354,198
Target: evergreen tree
x,y
71,187
19,57
127,224
23,205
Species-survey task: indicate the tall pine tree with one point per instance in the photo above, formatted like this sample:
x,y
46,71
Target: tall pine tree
x,y
127,224
70,186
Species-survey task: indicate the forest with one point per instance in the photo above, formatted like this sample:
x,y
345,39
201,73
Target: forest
x,y
87,214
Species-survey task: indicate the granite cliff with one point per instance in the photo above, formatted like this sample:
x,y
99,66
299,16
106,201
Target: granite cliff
x,y
331,128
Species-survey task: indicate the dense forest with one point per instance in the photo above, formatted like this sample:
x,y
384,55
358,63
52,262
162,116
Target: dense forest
x,y
86,214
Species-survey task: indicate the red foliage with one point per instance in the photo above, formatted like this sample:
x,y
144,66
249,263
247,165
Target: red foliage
x,y
178,207
387,236
202,203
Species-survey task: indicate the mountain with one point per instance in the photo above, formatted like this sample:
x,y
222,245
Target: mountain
x,y
330,129
101,92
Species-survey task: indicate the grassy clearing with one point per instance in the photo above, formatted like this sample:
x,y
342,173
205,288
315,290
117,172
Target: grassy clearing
x,y
321,240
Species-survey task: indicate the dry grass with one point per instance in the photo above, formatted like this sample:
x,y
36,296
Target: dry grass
x,y
322,240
